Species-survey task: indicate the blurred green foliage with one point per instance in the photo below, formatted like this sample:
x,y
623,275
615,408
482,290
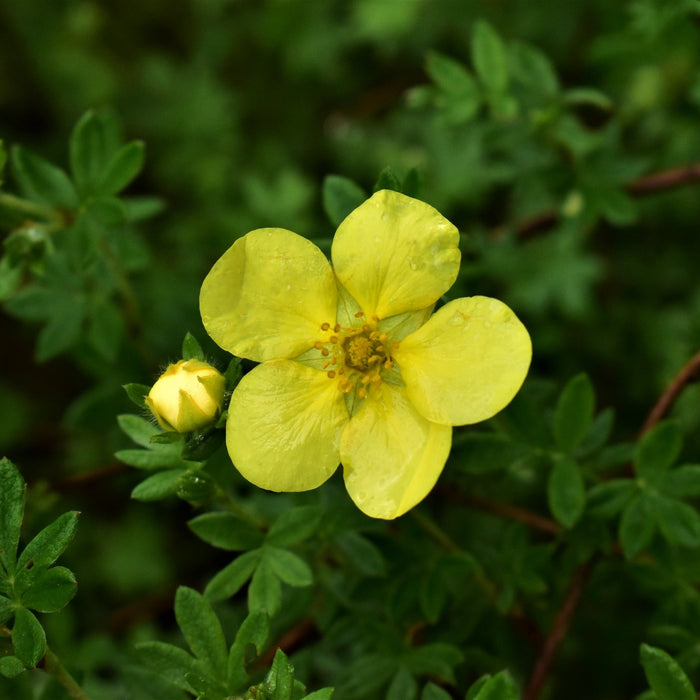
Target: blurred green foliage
x,y
139,139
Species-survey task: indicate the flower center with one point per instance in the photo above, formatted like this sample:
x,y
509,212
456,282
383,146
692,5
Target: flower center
x,y
357,355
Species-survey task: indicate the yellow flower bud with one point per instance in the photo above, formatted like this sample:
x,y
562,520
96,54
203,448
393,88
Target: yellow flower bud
x,y
188,396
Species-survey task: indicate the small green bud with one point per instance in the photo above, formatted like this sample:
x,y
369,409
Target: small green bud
x,y
188,396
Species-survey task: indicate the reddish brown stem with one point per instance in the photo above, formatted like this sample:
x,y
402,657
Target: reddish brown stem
x,y
665,179
648,184
504,510
558,630
690,372
289,641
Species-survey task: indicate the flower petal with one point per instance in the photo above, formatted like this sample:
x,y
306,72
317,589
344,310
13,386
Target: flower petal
x,y
267,295
395,254
391,455
284,426
467,362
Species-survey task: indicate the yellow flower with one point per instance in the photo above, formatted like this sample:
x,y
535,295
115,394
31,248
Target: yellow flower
x,y
354,369
187,396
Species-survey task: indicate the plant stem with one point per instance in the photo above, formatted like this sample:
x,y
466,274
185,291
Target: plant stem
x,y
687,374
24,206
53,665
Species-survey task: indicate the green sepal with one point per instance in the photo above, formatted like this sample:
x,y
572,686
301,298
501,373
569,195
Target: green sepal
x,y
341,195
28,638
233,373
664,675
387,180
202,444
191,349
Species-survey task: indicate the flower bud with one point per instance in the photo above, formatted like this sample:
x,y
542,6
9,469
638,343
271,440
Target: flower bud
x,y
188,396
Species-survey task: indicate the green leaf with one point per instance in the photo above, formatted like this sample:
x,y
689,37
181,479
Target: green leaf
x,y
279,682
191,349
12,488
489,57
608,498
11,273
105,330
226,531
403,686
461,98
341,195
170,662
682,482
498,687
157,486
485,452
436,659
322,694
10,666
28,638
637,525
566,492
158,457
202,630
42,181
3,160
361,553
51,590
574,412
294,526
233,577
434,692
137,393
126,164
533,69
264,592
63,328
7,609
50,543
658,450
91,146
288,566
679,523
140,430
254,631
664,675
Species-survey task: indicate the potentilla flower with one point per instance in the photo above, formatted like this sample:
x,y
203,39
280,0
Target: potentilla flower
x,y
188,396
354,368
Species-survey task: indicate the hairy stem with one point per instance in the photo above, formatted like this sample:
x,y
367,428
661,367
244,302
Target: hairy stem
x,y
560,626
53,665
